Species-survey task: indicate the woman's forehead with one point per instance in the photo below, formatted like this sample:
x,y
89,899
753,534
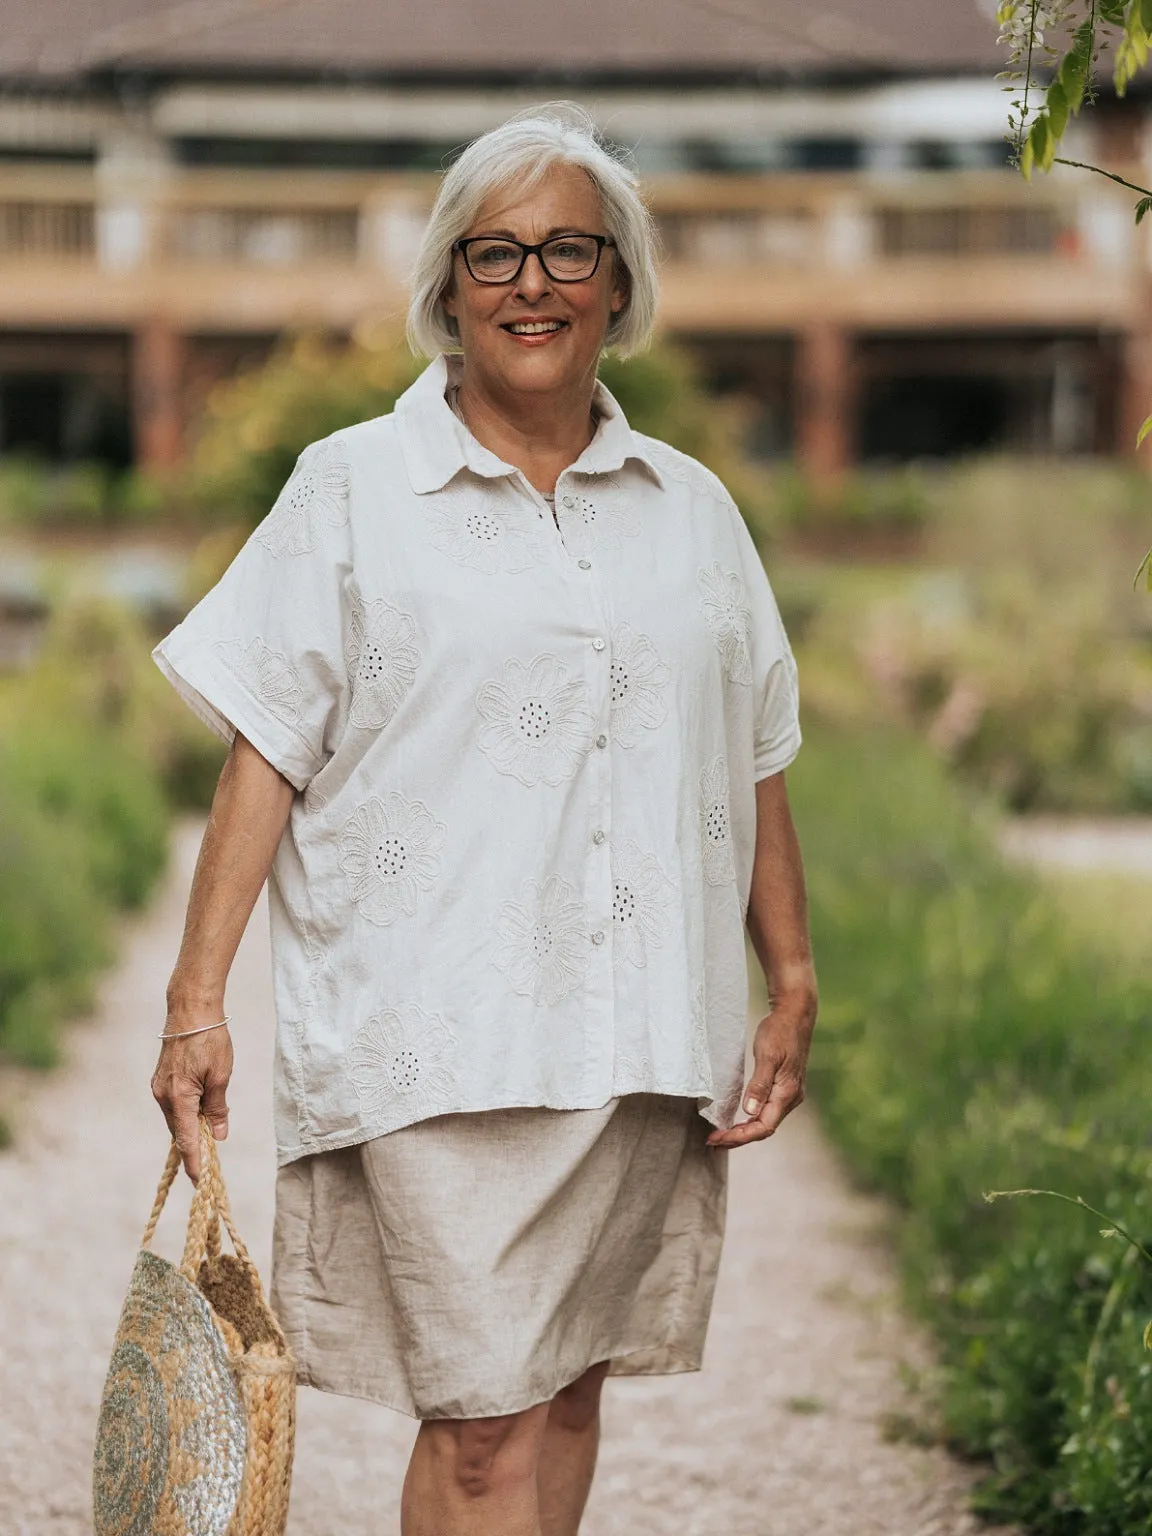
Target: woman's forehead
x,y
564,198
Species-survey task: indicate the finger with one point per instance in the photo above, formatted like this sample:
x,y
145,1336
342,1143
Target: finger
x,y
786,1094
760,1086
186,1129
738,1135
160,1094
213,1102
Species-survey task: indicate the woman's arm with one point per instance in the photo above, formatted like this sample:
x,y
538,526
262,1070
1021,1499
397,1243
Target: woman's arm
x,y
778,927
249,812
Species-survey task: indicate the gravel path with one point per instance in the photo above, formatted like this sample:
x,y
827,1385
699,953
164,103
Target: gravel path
x,y
780,1435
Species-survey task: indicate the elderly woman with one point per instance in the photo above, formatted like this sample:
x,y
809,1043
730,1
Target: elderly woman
x,y
510,705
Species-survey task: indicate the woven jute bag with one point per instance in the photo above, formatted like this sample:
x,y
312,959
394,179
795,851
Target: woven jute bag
x,y
197,1422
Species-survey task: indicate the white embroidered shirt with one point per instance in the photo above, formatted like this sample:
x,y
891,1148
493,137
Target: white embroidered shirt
x,y
519,863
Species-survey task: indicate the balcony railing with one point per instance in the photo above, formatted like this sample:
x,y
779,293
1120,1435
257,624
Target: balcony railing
x,y
885,241
30,228
973,231
264,236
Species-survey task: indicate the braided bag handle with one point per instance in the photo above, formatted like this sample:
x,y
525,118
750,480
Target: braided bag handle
x,y
209,1207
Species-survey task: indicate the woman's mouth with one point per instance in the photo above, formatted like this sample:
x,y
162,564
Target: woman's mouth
x,y
533,328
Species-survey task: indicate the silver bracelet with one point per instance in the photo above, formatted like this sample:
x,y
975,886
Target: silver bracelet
x,y
180,1033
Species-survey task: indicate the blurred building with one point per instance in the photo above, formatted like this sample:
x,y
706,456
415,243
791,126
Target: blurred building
x,y
182,181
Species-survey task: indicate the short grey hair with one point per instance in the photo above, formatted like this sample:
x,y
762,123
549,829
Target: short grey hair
x,y
521,151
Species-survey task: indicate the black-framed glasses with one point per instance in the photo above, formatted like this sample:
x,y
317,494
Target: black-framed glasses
x,y
565,258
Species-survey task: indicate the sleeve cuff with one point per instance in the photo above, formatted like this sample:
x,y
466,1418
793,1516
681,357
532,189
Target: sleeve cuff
x,y
225,706
775,756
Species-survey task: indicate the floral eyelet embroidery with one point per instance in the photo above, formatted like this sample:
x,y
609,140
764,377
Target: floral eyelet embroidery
x,y
538,721
701,1056
318,488
267,674
728,1105
716,824
641,897
600,518
403,1059
638,1074
382,662
638,677
481,529
678,466
390,851
543,940
728,617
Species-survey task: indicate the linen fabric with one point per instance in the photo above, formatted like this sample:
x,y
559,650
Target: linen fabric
x,y
527,748
475,1264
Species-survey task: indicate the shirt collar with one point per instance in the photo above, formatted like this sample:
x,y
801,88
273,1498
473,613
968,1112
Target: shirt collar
x,y
436,444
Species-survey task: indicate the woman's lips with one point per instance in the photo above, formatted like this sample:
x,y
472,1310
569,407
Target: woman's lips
x,y
548,331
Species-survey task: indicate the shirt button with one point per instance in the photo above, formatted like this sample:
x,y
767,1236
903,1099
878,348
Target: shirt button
x,y
598,835
585,565
601,740
598,936
598,643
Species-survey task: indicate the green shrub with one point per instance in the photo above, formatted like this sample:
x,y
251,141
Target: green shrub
x,y
886,500
83,818
967,1042
1017,646
82,496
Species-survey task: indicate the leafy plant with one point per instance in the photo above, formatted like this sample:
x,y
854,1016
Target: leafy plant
x,y
969,1042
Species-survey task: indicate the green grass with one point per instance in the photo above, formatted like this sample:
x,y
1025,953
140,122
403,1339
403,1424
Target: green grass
x,y
973,1037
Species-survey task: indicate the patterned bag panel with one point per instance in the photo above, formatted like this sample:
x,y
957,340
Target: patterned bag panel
x,y
172,1437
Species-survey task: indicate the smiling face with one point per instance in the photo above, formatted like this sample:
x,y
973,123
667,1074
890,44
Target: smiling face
x,y
535,335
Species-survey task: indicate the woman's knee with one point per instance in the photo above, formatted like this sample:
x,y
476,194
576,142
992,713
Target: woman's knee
x,y
488,1456
577,1405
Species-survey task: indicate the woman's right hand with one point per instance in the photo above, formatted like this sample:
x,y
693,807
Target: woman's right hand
x,y
190,1080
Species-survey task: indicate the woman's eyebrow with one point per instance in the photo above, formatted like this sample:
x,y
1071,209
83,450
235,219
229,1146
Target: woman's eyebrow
x,y
506,234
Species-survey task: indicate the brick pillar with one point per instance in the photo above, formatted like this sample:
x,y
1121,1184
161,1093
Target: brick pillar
x,y
158,355
825,415
1134,386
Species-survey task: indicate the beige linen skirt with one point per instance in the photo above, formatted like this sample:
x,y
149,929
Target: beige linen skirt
x,y
474,1264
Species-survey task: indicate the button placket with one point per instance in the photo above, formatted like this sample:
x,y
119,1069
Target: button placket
x,y
600,879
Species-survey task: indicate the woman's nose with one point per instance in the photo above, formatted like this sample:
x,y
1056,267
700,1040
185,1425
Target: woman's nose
x,y
533,280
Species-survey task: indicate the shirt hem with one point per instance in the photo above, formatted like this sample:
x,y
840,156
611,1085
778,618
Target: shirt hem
x,y
705,1103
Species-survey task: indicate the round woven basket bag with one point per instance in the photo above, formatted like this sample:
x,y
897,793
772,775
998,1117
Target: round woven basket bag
x,y
197,1421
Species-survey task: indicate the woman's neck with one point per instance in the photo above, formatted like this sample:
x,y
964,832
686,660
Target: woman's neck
x,y
540,434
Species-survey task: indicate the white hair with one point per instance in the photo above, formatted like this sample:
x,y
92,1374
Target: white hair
x,y
519,152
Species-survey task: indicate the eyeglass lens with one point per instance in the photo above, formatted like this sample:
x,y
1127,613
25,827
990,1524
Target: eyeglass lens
x,y
568,257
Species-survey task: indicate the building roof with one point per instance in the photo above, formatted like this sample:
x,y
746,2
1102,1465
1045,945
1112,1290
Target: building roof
x,y
73,40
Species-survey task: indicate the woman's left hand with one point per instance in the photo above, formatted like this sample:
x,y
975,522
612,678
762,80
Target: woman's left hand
x,y
780,1056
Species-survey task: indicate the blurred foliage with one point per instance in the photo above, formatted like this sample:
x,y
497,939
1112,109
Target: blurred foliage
x,y
95,749
868,499
256,424
1017,647
968,1041
79,497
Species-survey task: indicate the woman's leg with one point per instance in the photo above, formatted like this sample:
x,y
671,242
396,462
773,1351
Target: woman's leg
x,y
475,1477
568,1453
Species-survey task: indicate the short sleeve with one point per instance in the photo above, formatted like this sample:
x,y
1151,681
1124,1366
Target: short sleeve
x,y
264,652
776,700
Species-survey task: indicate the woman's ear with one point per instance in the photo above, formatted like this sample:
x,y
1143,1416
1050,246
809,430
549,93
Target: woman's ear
x,y
448,299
